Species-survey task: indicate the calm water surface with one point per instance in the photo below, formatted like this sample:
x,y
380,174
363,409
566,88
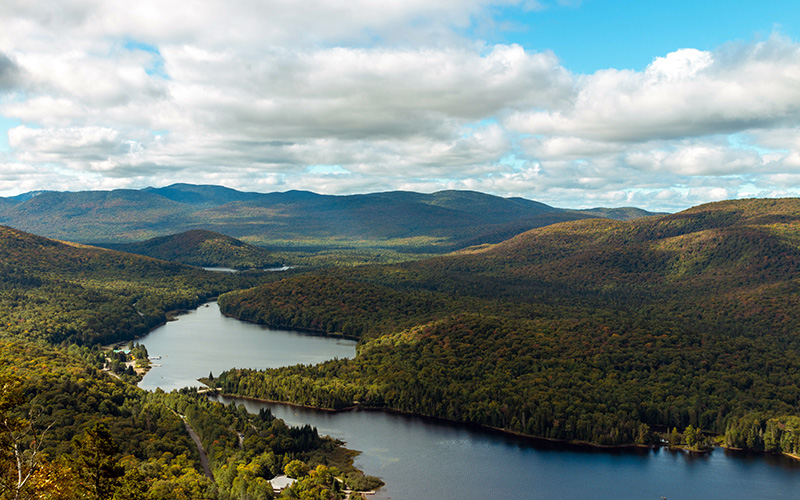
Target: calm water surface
x,y
204,341
422,458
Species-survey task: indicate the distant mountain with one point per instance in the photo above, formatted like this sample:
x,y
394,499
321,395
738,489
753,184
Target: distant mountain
x,y
26,196
407,221
202,195
621,213
204,249
89,216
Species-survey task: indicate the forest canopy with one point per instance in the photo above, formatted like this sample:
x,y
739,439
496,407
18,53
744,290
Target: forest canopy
x,y
593,330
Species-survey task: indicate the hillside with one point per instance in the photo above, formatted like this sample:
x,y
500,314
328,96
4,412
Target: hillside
x,y
85,295
95,216
294,220
76,426
204,249
592,330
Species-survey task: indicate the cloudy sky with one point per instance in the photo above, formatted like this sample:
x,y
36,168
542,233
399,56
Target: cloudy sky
x,y
572,103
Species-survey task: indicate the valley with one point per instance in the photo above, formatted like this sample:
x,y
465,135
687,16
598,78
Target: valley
x,y
677,330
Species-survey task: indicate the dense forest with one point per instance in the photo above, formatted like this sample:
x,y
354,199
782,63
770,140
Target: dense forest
x,y
679,329
204,249
70,429
600,331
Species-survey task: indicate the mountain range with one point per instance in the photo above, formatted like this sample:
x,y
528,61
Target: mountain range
x,y
437,223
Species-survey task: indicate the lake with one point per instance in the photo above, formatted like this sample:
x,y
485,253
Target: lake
x,y
422,458
204,341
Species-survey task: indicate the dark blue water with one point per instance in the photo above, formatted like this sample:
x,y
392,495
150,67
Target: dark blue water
x,y
422,458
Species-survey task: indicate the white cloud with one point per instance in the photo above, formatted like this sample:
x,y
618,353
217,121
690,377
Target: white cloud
x,y
687,93
251,93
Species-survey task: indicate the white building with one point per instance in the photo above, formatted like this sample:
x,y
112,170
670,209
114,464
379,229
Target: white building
x,y
280,483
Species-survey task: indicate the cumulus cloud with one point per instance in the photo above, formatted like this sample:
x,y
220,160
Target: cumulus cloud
x,y
257,93
684,94
9,73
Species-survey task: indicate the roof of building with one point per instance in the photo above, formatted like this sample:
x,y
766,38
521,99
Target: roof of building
x,y
279,483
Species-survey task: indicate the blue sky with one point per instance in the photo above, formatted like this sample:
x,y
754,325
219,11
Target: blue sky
x,y
572,103
600,34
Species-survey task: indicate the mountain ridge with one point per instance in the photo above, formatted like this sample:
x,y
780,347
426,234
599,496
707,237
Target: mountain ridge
x,y
437,222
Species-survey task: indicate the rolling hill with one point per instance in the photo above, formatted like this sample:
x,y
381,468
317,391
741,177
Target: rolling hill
x,y
70,292
410,222
203,248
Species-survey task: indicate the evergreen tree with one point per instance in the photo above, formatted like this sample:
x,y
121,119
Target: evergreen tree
x,y
95,464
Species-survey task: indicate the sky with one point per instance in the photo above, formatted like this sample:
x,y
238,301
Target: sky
x,y
658,105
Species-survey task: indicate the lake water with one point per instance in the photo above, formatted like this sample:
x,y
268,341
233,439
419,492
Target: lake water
x,y
204,341
421,458
231,270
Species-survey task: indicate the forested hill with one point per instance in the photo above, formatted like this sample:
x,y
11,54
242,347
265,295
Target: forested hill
x,y
726,245
204,249
407,221
72,422
591,330
61,292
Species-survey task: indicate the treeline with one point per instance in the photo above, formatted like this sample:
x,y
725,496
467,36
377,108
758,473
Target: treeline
x,y
574,382
761,433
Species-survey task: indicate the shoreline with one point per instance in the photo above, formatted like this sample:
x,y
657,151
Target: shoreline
x,y
310,331
506,432
485,428
793,456
498,430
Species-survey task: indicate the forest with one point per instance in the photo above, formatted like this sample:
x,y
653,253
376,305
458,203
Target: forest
x,y
204,249
598,331
679,329
69,429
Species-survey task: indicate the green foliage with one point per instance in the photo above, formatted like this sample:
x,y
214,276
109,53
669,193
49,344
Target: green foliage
x,y
57,302
296,469
205,249
95,462
756,431
68,293
320,483
581,331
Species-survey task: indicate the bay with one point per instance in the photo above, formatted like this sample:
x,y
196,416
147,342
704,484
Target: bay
x,y
204,341
421,458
